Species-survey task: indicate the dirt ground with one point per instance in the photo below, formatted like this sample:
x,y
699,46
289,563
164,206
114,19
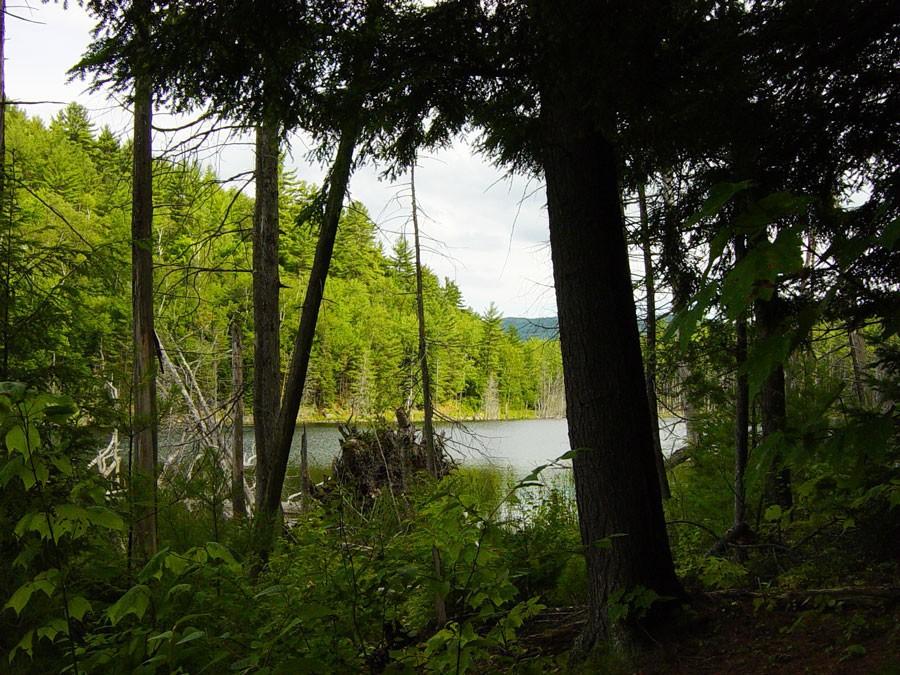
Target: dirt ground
x,y
737,636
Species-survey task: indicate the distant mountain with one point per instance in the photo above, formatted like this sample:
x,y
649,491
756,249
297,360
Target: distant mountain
x,y
546,328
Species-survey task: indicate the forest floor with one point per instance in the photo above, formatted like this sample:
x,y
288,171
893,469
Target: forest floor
x,y
731,635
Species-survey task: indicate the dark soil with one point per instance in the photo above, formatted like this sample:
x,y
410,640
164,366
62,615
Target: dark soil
x,y
738,636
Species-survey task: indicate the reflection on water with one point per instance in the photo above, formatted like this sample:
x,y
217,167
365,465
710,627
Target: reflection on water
x,y
518,444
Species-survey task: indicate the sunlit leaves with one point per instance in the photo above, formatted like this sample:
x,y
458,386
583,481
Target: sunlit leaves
x,y
135,602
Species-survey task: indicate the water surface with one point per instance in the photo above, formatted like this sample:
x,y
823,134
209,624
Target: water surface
x,y
519,445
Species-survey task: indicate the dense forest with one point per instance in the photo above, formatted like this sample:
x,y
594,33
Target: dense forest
x,y
68,244
722,199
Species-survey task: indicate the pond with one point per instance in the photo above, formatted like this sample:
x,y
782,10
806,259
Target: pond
x,y
517,445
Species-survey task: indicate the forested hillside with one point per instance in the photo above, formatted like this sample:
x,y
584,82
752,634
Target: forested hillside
x,y
68,263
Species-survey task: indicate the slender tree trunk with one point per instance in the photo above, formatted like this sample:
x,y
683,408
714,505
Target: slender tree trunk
x,y
237,427
4,375
269,498
679,277
741,405
266,318
2,100
773,405
144,396
650,327
859,358
432,459
616,483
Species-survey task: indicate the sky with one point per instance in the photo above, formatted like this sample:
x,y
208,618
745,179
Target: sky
x,y
482,229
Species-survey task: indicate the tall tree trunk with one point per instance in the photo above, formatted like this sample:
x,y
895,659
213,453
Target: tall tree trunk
x,y
679,277
4,365
859,358
773,405
432,460
237,427
2,99
269,498
144,397
650,327
616,483
741,406
266,318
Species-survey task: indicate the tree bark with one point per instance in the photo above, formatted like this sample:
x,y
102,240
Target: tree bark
x,y
773,405
679,278
145,422
617,489
859,358
269,497
266,318
741,405
4,365
432,459
239,505
650,327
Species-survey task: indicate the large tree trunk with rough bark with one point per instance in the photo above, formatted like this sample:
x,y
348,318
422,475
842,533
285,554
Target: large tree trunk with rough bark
x,y
266,322
773,405
620,512
145,423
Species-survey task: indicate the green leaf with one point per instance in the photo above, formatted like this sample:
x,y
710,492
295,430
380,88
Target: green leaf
x,y
769,209
571,453
11,468
533,476
58,408
78,607
33,522
764,357
891,234
135,601
313,610
161,636
773,513
719,195
23,594
52,628
271,590
62,464
104,517
218,552
17,441
196,635
40,470
685,322
179,588
24,645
